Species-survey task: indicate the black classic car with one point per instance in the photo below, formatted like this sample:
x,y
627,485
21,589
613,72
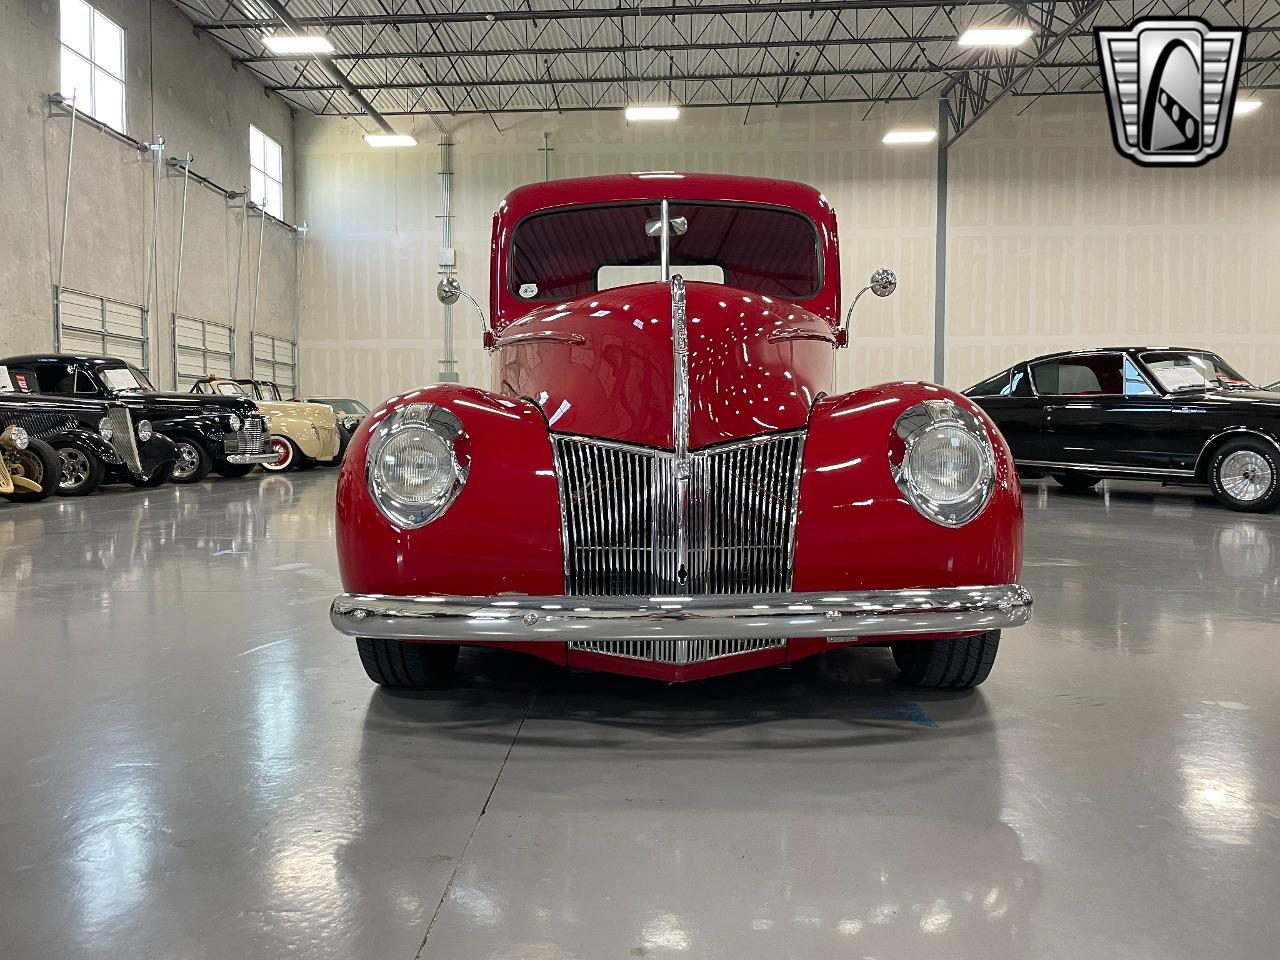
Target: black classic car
x,y
350,413
1172,414
224,434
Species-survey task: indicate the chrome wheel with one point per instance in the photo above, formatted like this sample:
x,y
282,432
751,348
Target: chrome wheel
x,y
1245,475
75,468
188,460
283,450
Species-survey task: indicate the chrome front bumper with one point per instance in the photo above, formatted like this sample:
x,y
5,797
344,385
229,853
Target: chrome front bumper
x,y
831,614
238,458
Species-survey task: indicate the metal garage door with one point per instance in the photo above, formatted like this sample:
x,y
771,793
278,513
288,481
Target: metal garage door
x,y
202,347
100,325
275,358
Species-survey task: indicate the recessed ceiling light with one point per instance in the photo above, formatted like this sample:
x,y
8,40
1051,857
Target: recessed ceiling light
x,y
910,136
994,36
390,140
1246,106
297,43
653,113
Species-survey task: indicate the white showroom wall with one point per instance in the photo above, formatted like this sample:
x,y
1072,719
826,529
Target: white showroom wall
x,y
1054,240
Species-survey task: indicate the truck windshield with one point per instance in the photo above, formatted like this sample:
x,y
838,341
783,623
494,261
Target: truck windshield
x,y
575,252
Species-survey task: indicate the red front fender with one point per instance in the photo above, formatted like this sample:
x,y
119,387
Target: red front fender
x,y
502,533
856,531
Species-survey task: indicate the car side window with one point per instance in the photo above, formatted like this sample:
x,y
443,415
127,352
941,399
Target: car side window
x,y
84,384
1094,374
1135,384
997,386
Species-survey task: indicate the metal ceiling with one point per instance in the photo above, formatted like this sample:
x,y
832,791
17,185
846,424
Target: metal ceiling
x,y
450,57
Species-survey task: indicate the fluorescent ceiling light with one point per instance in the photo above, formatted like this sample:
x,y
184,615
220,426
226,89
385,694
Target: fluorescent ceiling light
x,y
909,136
653,113
297,43
994,36
390,140
1246,106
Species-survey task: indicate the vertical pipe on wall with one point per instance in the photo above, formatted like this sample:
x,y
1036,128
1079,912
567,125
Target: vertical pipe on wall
x,y
235,302
299,273
62,246
177,268
153,250
940,247
257,286
448,359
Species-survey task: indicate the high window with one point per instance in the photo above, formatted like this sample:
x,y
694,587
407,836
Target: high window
x,y
266,176
93,63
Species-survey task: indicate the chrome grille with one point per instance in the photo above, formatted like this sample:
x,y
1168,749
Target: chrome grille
x,y
619,517
123,440
674,651
250,438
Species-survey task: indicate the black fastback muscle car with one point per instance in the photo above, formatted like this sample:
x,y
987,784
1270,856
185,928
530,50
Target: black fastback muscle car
x,y
95,441
1172,414
224,434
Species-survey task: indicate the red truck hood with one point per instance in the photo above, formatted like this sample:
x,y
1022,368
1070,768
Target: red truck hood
x,y
602,365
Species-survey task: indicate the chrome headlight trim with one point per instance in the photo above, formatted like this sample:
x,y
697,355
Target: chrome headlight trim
x,y
15,437
105,430
234,422
145,430
928,418
418,417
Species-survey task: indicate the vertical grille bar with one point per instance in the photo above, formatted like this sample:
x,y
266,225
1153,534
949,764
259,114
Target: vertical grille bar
x,y
123,442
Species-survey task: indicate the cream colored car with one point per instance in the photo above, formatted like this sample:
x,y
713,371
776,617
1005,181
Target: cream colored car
x,y
303,435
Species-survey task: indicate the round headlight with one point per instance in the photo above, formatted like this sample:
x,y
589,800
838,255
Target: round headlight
x,y
145,430
946,465
235,422
16,437
105,430
414,467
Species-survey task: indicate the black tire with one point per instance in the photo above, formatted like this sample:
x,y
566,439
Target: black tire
x,y
394,663
193,463
1076,482
233,471
303,462
285,446
947,664
344,439
81,471
1245,476
162,476
36,462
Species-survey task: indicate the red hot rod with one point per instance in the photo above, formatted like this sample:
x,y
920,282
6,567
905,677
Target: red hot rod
x,y
659,483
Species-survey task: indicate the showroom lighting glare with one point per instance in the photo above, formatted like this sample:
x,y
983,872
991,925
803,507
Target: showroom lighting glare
x,y
909,136
1246,106
652,113
285,43
994,36
390,140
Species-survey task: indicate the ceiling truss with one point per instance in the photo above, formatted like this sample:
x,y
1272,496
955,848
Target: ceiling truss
x,y
455,57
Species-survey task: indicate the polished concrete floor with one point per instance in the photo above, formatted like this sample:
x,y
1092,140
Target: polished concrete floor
x,y
193,765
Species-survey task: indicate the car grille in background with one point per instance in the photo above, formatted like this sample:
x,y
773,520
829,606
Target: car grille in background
x,y
250,439
123,440
619,517
41,425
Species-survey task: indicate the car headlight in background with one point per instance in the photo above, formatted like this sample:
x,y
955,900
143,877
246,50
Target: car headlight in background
x,y
417,464
945,465
16,437
235,422
105,430
145,430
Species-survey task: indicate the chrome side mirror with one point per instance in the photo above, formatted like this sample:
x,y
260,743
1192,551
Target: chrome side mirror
x,y
449,291
883,282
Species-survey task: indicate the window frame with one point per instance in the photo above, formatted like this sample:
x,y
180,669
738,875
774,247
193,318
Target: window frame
x,y
266,174
64,49
1031,371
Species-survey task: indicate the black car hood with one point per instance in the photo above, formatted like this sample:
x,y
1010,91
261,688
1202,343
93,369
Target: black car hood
x,y
49,403
1256,399
191,401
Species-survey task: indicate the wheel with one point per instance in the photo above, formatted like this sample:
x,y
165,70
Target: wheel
x,y
303,462
1076,482
38,463
232,470
286,455
81,472
947,664
193,463
394,663
1244,475
162,475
